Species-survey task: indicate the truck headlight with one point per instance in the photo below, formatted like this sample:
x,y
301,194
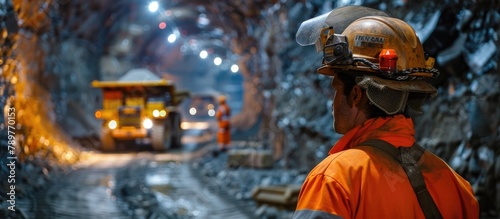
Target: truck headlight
x,y
156,113
112,124
147,123
211,112
192,111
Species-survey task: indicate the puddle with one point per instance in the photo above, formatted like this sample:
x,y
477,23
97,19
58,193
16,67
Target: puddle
x,y
159,182
165,189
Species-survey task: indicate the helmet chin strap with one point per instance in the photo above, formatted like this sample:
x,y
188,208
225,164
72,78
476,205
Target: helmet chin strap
x,y
355,118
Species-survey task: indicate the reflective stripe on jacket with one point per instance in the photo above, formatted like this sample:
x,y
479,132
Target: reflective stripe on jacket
x,y
357,181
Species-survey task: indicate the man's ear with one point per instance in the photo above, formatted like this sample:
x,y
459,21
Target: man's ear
x,y
356,96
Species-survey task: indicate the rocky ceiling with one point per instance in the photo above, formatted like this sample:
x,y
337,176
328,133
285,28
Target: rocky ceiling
x,y
208,22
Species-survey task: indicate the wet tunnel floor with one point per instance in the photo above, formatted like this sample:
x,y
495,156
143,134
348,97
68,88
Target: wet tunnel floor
x,y
143,185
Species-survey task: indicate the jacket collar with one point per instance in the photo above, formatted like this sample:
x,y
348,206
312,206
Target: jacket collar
x,y
397,130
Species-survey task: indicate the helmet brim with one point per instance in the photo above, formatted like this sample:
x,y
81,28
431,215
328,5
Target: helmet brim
x,y
326,70
364,79
347,69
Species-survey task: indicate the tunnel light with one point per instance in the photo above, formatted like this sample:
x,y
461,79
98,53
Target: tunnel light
x,y
156,113
217,61
112,124
147,123
68,155
153,6
203,54
172,38
13,80
234,68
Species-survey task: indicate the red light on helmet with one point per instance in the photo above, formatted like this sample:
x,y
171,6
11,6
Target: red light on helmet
x,y
388,60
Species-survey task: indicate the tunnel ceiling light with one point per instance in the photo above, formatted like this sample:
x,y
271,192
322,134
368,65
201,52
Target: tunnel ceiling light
x,y
217,61
203,54
172,38
153,6
235,68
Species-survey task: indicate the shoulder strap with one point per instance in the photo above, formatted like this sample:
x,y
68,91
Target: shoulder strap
x,y
408,157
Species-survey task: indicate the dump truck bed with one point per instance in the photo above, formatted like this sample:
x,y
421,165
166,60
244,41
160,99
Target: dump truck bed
x,y
111,84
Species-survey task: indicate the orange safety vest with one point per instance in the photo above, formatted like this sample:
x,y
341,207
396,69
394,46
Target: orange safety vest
x,y
357,181
224,132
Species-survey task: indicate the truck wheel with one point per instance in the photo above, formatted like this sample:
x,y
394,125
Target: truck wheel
x,y
107,141
160,136
176,130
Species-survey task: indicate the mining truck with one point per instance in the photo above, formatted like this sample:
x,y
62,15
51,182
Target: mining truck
x,y
139,111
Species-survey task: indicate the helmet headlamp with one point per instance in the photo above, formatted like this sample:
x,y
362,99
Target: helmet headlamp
x,y
335,48
337,51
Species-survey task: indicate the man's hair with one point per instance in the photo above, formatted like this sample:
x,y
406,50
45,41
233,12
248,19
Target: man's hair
x,y
371,110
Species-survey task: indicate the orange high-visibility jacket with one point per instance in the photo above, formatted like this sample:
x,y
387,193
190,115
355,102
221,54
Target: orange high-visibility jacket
x,y
224,133
357,181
